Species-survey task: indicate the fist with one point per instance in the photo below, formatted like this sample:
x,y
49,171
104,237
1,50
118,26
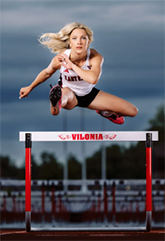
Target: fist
x,y
24,92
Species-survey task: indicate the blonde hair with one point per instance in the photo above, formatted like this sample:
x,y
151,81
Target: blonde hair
x,y
59,42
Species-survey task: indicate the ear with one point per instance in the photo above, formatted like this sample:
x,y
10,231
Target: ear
x,y
89,44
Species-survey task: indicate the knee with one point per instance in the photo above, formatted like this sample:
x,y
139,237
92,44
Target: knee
x,y
134,111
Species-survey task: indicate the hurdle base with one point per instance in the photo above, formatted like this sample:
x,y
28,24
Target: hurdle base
x,y
28,221
108,228
148,220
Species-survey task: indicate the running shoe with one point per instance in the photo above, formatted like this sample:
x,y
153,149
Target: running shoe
x,y
112,117
55,95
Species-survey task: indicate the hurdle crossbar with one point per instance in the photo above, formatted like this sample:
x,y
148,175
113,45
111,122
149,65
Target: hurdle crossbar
x,y
148,137
88,136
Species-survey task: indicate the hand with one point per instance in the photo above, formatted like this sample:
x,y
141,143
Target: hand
x,y
24,92
65,61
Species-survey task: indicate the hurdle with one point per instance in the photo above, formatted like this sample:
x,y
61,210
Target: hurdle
x,y
116,136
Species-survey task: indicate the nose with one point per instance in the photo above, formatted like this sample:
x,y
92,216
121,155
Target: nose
x,y
79,41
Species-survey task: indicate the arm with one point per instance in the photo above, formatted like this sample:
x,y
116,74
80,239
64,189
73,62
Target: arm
x,y
91,76
43,76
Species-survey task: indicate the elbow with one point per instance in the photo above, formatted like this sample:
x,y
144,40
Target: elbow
x,y
47,75
94,80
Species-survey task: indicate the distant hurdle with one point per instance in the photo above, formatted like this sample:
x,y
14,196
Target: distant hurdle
x,y
126,136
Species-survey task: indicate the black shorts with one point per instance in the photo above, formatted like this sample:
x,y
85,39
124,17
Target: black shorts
x,y
86,100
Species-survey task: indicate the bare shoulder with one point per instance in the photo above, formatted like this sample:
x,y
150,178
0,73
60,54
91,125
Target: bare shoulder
x,y
95,55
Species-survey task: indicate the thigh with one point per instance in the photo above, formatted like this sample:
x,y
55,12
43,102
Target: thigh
x,y
107,102
69,97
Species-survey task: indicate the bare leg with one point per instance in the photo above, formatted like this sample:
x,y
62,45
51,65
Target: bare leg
x,y
107,102
68,101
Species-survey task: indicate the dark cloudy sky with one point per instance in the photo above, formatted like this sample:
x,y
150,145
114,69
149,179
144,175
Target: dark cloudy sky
x,y
130,36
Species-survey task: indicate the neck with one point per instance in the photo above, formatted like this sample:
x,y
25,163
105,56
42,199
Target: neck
x,y
74,57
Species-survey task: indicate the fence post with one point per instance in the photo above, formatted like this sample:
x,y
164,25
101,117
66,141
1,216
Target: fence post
x,y
105,203
113,203
43,202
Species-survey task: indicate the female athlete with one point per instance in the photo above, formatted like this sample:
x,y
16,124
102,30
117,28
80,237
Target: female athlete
x,y
80,69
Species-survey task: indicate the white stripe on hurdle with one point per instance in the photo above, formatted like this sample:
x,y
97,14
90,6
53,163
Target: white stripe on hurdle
x,y
89,136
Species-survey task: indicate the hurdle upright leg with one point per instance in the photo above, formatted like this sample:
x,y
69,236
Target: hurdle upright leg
x,y
28,145
148,181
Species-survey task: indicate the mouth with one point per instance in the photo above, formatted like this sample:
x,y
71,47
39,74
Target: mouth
x,y
79,47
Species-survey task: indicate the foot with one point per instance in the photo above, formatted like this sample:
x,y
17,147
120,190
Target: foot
x,y
55,95
111,116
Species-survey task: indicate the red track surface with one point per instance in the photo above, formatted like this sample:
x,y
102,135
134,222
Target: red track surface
x,y
155,235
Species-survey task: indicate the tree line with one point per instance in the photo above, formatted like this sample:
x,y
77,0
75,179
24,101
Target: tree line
x,y
121,162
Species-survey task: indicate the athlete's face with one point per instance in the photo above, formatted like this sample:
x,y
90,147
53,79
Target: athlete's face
x,y
79,41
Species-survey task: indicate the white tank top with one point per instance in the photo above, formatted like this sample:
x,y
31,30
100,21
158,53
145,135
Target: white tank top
x,y
70,79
